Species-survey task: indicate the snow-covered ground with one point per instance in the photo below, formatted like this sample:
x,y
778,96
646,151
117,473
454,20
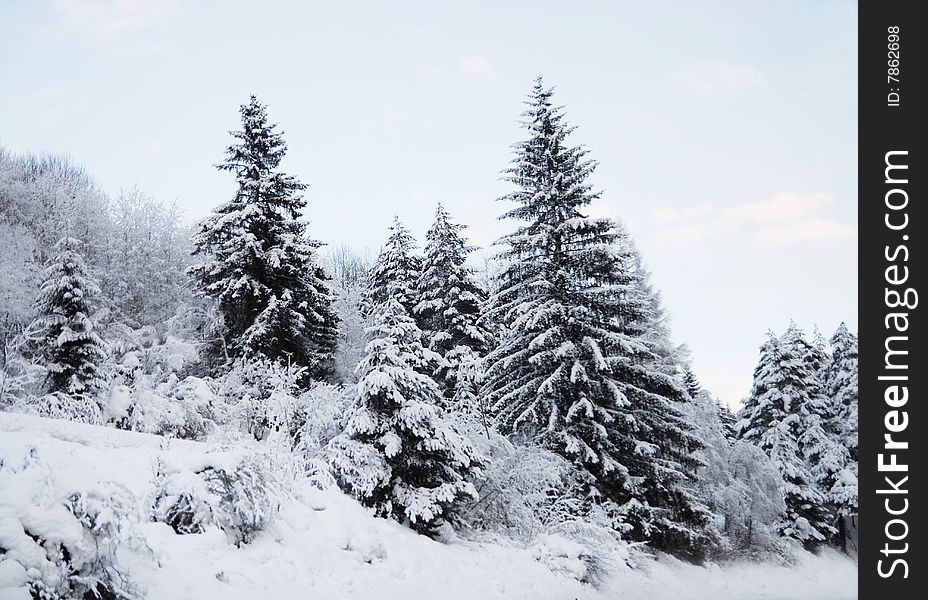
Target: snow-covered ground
x,y
325,545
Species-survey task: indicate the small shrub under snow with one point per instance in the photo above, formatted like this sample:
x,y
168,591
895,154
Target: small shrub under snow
x,y
241,497
569,558
185,409
57,543
529,495
79,407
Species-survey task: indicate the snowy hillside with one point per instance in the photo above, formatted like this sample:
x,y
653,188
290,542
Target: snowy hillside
x,y
320,544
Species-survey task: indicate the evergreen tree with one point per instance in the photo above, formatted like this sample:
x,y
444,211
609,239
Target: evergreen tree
x,y
449,308
781,416
816,351
395,273
576,367
653,381
258,263
841,384
827,458
728,420
840,377
691,382
398,455
70,349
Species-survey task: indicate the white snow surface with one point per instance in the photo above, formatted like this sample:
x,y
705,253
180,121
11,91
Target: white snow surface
x,y
325,545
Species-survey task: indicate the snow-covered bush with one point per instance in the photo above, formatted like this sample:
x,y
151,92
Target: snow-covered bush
x,y
324,410
20,376
528,494
79,407
194,409
326,407
524,490
569,558
62,543
186,409
263,395
163,354
248,498
158,350
152,390
239,496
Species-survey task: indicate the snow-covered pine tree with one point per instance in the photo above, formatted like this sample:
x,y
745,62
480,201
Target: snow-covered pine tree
x,y
449,310
816,351
781,417
259,265
575,368
691,382
728,419
828,460
395,273
840,379
69,347
653,377
841,383
398,454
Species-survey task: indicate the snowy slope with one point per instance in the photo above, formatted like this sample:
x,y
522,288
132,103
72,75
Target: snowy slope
x,y
324,545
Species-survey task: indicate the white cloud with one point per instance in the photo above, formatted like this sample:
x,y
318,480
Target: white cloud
x,y
808,230
672,215
109,18
476,67
781,207
714,78
786,218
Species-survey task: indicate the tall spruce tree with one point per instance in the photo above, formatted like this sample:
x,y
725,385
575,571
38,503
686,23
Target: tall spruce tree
x,y
841,387
816,350
258,263
575,367
840,470
70,349
828,460
782,417
449,308
691,382
398,454
395,273
729,421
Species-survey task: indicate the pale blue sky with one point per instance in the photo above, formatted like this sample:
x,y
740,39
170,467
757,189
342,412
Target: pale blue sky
x,y
726,131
